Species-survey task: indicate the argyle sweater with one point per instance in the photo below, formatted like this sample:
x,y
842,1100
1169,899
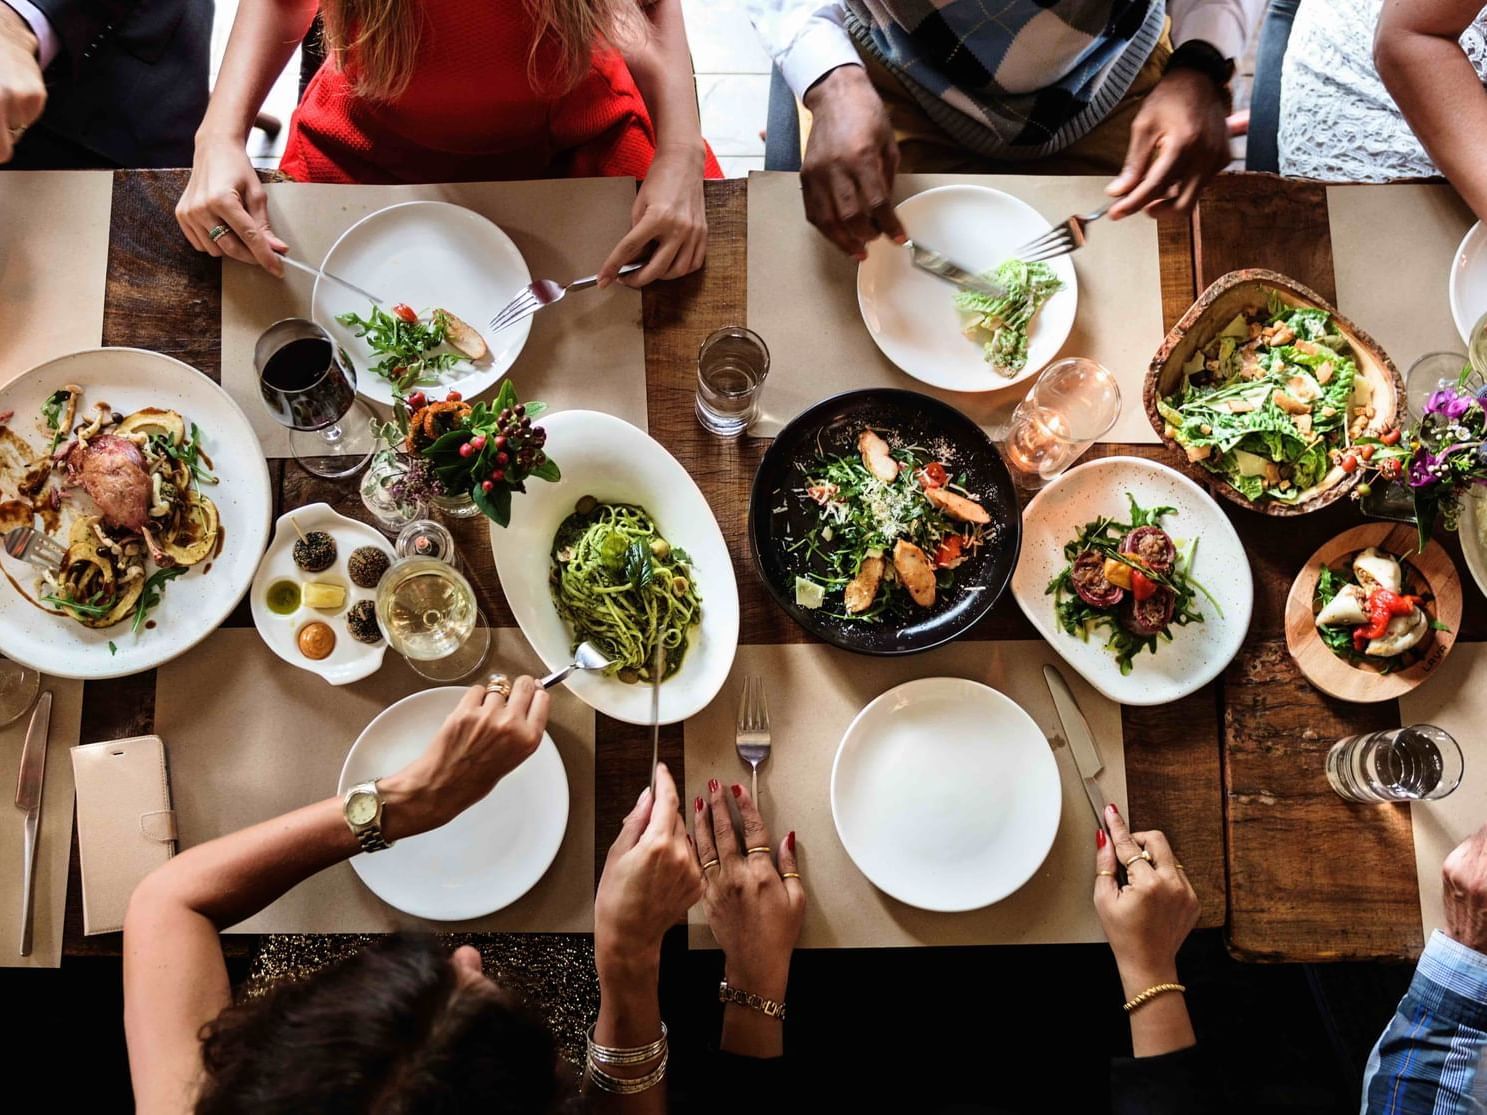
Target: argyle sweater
x,y
1011,79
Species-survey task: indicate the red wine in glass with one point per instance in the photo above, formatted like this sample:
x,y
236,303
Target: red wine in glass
x,y
309,387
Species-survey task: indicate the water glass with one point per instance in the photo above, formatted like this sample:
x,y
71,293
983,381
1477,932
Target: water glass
x,y
1418,762
18,687
731,366
1073,403
1435,371
309,387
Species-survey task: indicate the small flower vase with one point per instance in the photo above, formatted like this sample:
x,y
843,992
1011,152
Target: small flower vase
x,y
380,496
460,506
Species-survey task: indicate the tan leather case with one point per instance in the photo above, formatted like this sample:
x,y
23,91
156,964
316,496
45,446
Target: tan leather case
x,y
125,825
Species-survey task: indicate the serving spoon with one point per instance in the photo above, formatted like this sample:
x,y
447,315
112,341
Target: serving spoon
x,y
586,657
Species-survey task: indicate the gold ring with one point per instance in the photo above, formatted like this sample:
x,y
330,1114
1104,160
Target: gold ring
x,y
498,683
16,133
790,875
1108,874
765,848
1179,867
710,863
216,232
1144,854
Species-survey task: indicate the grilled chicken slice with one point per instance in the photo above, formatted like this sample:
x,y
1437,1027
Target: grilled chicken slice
x,y
959,508
463,337
916,572
862,589
877,457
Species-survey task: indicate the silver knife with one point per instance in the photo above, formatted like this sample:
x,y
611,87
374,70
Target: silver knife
x,y
308,270
942,267
28,798
657,668
1081,740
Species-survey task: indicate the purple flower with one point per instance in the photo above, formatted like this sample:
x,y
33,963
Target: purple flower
x,y
1422,474
1448,403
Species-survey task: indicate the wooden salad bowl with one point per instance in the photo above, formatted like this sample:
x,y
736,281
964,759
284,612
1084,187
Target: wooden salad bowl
x,y
1250,290
1349,681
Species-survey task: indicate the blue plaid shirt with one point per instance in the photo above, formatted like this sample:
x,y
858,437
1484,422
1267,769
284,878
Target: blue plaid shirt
x,y
1429,1059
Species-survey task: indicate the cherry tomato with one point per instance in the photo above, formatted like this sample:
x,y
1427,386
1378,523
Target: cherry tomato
x,y
1390,437
1142,586
1366,452
949,551
453,397
418,400
1349,462
933,475
405,312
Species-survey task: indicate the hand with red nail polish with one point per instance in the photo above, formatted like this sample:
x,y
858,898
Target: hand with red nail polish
x,y
754,912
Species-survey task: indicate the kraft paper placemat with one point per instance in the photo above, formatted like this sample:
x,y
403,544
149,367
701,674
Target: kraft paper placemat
x,y
1392,251
249,737
803,302
1455,700
54,841
588,353
53,264
814,692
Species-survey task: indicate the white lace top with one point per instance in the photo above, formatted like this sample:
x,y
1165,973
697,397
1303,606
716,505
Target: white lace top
x,y
1337,121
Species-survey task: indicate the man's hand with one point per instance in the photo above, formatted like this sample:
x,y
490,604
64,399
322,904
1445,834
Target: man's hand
x,y
22,90
1464,877
849,164
1180,139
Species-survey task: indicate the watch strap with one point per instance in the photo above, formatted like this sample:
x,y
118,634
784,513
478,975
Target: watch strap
x,y
1203,56
369,835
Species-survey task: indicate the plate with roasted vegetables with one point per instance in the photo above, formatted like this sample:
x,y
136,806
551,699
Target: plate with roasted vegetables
x,y
884,521
149,481
446,270
1135,576
964,340
1370,616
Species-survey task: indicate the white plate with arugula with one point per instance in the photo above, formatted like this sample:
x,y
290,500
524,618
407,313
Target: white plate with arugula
x,y
913,317
1208,561
427,255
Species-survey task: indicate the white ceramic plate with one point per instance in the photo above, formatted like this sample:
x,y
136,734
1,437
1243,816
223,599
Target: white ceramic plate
x,y
428,254
1473,509
912,316
488,856
194,605
609,459
945,794
350,660
1468,285
1197,652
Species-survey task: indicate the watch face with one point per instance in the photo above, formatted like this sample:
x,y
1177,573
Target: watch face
x,y
362,808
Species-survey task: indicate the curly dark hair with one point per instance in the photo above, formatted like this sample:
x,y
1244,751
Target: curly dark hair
x,y
389,1031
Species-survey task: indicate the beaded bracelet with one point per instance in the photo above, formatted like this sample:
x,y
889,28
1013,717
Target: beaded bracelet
x,y
1151,993
740,998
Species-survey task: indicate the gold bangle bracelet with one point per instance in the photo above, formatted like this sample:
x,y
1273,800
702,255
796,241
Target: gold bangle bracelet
x,y
1151,993
621,1086
738,997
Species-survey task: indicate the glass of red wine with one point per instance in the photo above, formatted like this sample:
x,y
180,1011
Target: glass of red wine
x,y
309,387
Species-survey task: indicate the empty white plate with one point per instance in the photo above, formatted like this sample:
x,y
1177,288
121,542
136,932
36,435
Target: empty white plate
x,y
488,856
912,316
1197,652
946,794
429,255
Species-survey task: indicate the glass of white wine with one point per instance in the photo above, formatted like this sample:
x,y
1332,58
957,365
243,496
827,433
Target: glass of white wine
x,y
1074,402
428,611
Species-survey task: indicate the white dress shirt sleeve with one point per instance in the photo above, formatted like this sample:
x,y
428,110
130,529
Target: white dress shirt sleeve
x,y
806,38
1226,24
47,43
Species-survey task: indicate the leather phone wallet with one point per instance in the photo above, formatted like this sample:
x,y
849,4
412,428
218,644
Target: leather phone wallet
x,y
125,825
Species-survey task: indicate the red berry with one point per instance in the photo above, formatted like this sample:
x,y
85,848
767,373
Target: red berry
x,y
466,449
1349,462
486,485
500,441
1390,437
498,475
478,441
453,397
520,410
502,458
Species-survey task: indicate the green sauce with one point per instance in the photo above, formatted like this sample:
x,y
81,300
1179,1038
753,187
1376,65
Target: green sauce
x,y
283,597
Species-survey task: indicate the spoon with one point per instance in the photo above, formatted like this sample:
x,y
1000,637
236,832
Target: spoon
x,y
586,657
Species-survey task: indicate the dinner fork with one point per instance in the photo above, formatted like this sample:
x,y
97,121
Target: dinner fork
x,y
30,545
752,740
541,293
1061,239
586,657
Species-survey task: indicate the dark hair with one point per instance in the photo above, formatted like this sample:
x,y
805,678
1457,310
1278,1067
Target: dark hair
x,y
389,1031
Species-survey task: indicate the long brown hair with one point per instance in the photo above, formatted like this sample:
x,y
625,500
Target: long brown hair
x,y
381,38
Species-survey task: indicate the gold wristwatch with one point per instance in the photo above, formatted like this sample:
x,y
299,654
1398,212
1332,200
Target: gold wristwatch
x,y
362,808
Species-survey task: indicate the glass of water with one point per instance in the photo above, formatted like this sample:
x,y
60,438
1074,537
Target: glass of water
x,y
1435,371
1418,762
18,687
731,366
1073,403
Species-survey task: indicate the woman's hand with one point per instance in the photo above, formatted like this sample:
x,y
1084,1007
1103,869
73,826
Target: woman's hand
x,y
669,210
650,880
755,913
1146,920
224,190
484,739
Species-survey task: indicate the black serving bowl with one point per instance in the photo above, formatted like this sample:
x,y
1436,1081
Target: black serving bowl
x,y
831,428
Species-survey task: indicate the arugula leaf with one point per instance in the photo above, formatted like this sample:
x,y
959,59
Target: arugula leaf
x,y
403,345
93,609
51,410
112,650
153,593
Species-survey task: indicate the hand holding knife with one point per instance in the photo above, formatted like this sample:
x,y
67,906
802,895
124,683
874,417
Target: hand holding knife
x,y
1081,740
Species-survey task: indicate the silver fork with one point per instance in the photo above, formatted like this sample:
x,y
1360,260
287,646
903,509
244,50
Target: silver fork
x,y
541,293
752,740
1061,239
32,546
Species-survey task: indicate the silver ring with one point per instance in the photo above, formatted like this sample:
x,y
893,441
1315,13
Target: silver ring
x,y
498,683
216,232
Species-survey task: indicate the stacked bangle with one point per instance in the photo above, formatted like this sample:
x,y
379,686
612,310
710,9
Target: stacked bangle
x,y
620,1057
1151,993
740,998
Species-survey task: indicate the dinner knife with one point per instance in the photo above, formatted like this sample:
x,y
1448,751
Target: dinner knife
x,y
1081,740
308,270
28,798
942,267
658,666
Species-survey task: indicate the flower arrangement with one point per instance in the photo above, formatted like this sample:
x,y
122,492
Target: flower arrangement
x,y
1440,460
453,448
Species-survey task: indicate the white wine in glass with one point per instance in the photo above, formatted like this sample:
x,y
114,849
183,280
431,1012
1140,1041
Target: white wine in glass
x,y
429,614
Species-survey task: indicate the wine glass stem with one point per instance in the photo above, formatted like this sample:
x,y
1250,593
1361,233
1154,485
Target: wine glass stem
x,y
332,434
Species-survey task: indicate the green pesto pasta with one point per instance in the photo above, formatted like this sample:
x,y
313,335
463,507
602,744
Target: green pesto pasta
x,y
624,588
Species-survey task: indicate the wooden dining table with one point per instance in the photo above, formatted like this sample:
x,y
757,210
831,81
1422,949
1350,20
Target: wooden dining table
x,y
1233,773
